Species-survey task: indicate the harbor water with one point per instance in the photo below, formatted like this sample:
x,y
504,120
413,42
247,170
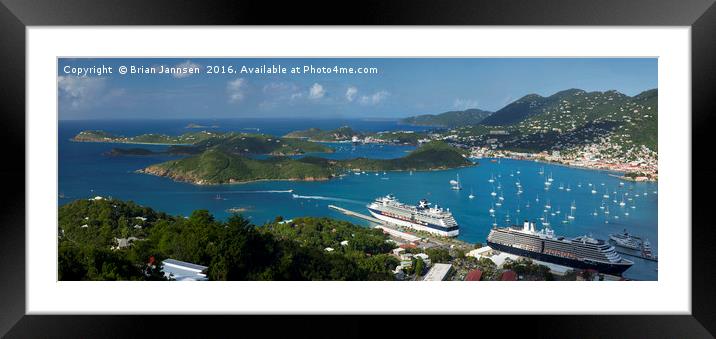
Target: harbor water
x,y
519,186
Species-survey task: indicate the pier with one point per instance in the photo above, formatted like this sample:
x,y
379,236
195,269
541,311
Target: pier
x,y
382,225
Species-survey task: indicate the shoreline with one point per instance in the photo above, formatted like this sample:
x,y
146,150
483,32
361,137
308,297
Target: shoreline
x,y
611,172
144,171
130,142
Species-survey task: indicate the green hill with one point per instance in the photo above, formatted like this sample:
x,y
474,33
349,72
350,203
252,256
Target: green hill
x,y
215,166
529,105
618,124
450,119
344,133
261,144
434,155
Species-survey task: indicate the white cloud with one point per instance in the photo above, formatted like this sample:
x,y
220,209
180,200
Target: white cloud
x,y
85,92
463,104
374,98
351,93
316,92
236,89
187,64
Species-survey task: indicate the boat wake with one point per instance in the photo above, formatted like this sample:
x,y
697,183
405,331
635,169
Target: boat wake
x,y
255,191
319,197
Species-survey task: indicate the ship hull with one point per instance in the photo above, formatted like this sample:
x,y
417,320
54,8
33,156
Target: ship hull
x,y
613,269
430,229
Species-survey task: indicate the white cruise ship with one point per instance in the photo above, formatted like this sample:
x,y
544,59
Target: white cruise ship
x,y
422,217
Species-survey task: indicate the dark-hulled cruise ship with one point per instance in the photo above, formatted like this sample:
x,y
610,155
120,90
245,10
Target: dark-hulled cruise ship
x,y
581,252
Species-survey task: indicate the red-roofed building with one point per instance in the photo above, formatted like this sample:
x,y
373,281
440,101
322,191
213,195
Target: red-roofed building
x,y
406,246
508,275
474,275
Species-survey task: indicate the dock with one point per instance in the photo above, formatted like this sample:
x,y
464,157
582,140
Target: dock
x,y
356,214
382,225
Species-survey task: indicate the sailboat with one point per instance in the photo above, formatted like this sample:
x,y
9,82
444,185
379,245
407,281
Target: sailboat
x,y
456,184
471,196
492,209
606,194
568,188
545,222
622,202
492,179
571,215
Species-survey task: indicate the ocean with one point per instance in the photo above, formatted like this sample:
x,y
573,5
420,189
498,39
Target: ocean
x,y
85,172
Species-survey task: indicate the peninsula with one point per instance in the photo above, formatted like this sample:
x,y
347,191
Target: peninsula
x,y
197,142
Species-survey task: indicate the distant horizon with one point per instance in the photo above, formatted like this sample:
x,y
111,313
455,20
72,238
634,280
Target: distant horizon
x,y
315,118
402,87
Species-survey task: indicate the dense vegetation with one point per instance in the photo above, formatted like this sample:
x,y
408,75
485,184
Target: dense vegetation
x,y
150,138
430,156
233,250
401,137
344,133
450,119
573,118
260,144
216,166
197,142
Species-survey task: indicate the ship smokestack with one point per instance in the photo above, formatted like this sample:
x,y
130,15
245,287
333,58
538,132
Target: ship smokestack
x,y
532,227
526,226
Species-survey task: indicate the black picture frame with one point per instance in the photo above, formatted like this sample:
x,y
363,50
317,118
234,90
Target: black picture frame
x,y
16,15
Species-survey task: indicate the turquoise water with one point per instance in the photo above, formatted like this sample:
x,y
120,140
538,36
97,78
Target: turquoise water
x,y
85,172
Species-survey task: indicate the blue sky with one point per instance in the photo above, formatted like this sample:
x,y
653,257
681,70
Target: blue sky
x,y
402,87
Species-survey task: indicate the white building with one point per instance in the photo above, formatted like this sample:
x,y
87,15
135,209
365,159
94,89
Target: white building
x,y
424,257
438,272
183,271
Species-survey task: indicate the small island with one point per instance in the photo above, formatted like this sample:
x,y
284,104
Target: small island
x,y
193,125
149,138
344,133
215,166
